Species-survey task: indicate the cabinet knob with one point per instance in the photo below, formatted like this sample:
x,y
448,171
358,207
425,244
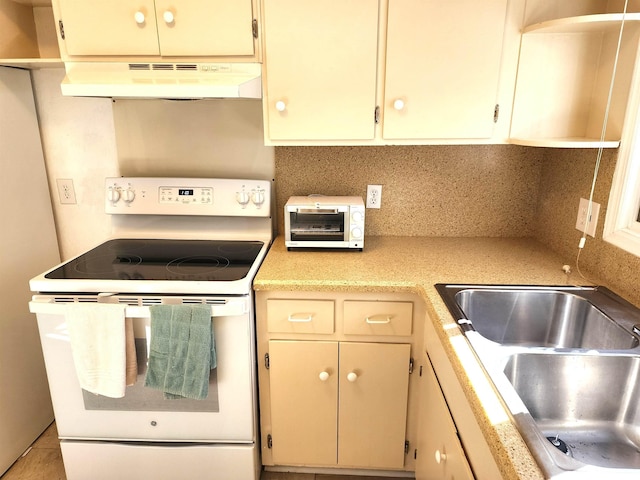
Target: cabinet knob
x,y
441,457
139,18
168,16
281,106
324,376
398,104
352,376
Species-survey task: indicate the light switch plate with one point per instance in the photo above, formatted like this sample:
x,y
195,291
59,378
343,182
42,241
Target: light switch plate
x,y
583,212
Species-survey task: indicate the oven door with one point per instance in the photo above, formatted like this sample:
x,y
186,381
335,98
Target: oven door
x,y
227,415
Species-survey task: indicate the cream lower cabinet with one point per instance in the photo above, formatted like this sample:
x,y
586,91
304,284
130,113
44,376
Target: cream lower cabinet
x,y
440,454
336,380
339,403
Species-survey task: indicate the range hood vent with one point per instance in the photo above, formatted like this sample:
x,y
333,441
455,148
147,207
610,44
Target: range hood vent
x,y
162,80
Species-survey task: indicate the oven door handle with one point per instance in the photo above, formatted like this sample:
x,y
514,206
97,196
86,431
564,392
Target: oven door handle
x,y
229,308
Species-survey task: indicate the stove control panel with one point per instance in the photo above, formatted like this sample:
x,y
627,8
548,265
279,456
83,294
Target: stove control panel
x,y
188,196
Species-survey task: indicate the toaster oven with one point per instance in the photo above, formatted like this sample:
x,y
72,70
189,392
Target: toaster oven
x,y
324,222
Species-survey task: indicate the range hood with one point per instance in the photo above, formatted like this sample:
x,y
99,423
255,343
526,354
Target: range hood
x,y
162,80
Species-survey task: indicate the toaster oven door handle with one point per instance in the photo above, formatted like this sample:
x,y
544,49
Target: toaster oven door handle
x,y
378,319
318,211
300,317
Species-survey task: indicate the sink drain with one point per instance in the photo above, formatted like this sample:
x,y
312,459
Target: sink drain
x,y
559,444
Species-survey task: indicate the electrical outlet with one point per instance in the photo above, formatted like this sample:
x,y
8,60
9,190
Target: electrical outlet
x,y
583,212
66,192
374,196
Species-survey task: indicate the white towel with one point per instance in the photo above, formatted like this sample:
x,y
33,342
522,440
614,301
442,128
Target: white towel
x,y
97,333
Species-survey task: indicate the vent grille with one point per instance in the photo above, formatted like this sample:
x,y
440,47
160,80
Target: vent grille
x,y
142,301
139,66
164,67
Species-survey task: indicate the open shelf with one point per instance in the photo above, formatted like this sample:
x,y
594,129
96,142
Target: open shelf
x,y
28,36
601,23
564,77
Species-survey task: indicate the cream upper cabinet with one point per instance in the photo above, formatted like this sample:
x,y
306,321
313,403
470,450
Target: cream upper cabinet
x,y
442,68
429,69
320,69
150,28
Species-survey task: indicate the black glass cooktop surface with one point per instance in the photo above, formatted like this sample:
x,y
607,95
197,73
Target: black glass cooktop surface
x,y
152,259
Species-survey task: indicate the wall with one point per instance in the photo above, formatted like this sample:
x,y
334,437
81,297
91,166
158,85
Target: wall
x,y
78,143
90,139
566,177
486,190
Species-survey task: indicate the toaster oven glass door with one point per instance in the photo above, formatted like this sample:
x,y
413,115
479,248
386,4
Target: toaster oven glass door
x,y
317,226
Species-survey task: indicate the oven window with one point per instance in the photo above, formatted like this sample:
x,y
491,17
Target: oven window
x,y
140,398
317,226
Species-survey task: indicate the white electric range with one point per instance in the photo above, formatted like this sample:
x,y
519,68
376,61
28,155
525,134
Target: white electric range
x,y
175,241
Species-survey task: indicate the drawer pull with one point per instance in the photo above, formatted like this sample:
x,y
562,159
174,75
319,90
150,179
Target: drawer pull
x,y
378,319
352,376
324,376
300,317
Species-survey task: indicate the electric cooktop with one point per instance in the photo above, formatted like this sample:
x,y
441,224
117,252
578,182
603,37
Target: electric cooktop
x,y
153,259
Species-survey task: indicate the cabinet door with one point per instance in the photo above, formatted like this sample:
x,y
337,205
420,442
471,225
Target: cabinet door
x,y
304,403
440,454
205,27
320,59
374,384
109,27
442,68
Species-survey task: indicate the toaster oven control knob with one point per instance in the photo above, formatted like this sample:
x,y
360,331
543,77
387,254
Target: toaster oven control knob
x,y
357,216
113,194
129,195
242,198
356,232
258,197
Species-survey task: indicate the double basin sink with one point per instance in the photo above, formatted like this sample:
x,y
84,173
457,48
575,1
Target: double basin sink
x,y
566,362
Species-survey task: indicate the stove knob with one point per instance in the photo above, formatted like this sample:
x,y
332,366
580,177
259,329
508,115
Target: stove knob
x,y
242,198
113,194
129,195
257,196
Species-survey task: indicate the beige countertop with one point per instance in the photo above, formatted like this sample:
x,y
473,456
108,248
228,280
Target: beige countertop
x,y
414,265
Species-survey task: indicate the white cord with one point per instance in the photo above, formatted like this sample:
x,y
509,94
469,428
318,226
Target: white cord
x,y
583,239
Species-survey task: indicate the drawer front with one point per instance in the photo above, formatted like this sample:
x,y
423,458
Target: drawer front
x,y
378,318
300,316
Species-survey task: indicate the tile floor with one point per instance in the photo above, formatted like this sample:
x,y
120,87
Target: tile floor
x,y
44,462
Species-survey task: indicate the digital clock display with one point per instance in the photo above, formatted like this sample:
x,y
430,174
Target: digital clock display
x,y
185,191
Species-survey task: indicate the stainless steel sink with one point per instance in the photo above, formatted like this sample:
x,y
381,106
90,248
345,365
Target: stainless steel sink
x,y
587,406
541,318
566,361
